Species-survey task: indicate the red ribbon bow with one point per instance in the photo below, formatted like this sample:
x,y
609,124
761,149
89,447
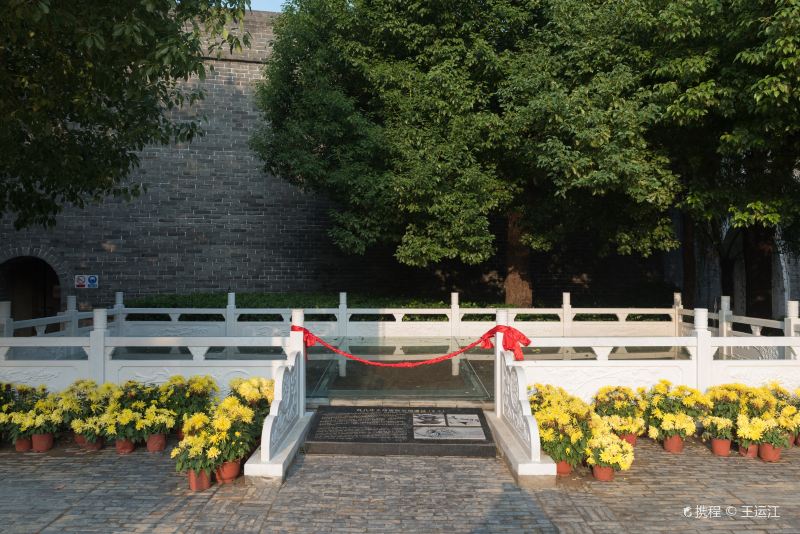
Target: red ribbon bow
x,y
512,339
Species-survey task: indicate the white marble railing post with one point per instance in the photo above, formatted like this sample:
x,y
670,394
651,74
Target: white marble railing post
x,y
455,328
790,324
6,326
704,353
341,322
97,345
677,308
342,315
502,320
230,315
119,313
297,345
455,316
72,313
725,325
566,310
6,322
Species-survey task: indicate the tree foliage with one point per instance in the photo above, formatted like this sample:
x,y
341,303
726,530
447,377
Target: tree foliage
x,y
85,85
427,120
726,74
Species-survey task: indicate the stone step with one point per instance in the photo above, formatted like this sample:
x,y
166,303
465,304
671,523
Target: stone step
x,y
400,430
400,402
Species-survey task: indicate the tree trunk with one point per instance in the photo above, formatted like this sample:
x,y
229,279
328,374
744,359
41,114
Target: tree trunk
x,y
759,247
518,288
689,288
727,266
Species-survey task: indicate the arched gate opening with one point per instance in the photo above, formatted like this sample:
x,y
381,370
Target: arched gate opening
x,y
32,286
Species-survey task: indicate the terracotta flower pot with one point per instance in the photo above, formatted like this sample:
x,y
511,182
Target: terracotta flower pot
x,y
228,471
768,453
124,446
673,444
797,440
630,438
749,452
42,442
721,447
80,440
604,474
179,433
93,446
22,444
563,468
156,442
199,481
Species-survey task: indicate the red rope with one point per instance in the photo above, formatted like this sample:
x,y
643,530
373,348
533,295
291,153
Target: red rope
x,y
512,338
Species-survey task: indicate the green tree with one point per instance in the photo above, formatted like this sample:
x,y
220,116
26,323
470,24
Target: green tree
x,y
726,75
427,120
87,84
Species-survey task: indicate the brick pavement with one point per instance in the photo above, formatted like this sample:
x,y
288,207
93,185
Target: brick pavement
x,y
68,490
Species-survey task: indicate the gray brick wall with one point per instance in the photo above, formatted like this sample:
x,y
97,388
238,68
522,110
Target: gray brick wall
x,y
210,219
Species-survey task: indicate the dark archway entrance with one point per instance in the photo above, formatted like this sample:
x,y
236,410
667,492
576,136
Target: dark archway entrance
x,y
32,286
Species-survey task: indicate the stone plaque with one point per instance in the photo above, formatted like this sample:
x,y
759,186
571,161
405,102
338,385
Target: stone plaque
x,y
362,425
386,429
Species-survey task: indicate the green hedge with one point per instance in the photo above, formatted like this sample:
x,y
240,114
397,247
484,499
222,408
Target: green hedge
x,y
295,300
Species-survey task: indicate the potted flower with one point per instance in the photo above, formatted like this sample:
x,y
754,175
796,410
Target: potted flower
x,y
672,430
257,393
19,426
90,429
195,454
172,394
720,431
563,425
155,424
75,403
16,421
727,400
120,424
47,420
232,423
782,395
784,411
606,453
671,412
186,397
795,401
772,440
6,407
758,404
749,432
623,411
789,420
758,401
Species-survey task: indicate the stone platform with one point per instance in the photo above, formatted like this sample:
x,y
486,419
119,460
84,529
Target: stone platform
x,y
418,431
75,491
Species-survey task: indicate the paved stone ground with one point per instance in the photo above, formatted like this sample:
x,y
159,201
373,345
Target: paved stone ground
x,y
68,490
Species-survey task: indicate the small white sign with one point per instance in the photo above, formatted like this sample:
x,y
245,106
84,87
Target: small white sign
x,y
87,281
429,419
467,419
440,433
